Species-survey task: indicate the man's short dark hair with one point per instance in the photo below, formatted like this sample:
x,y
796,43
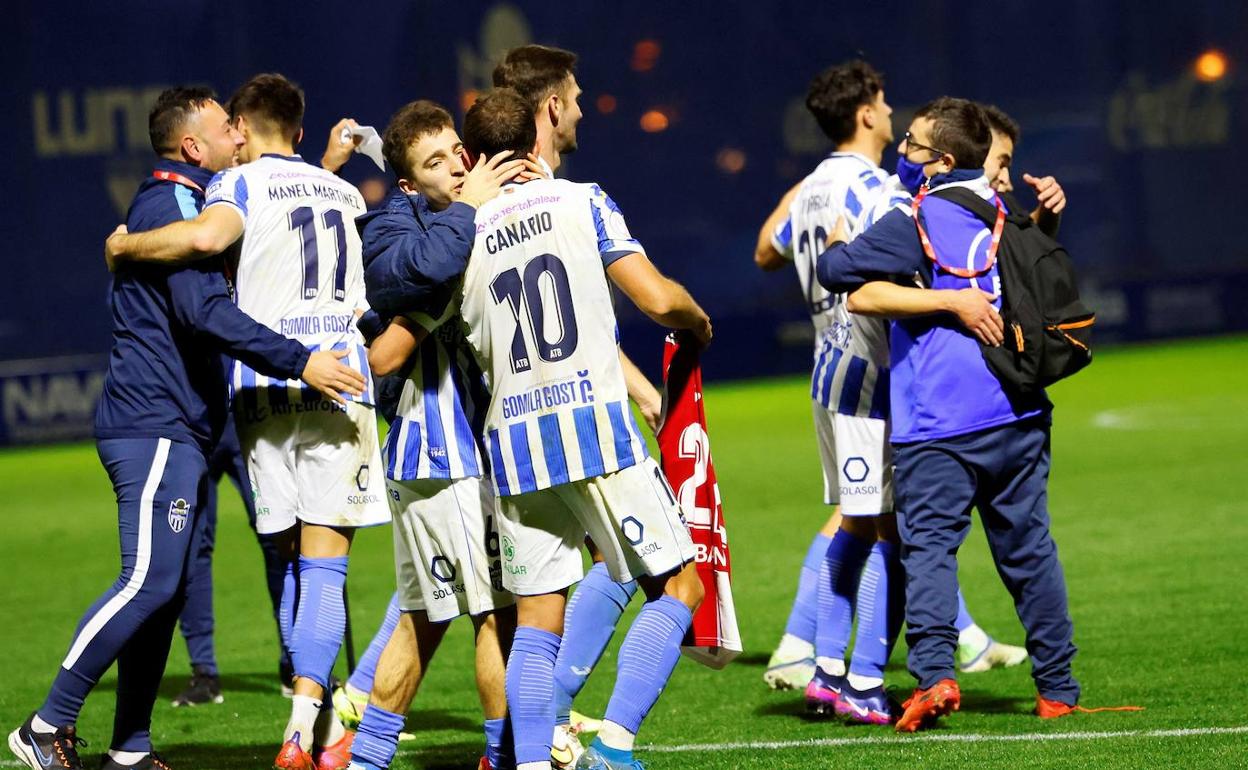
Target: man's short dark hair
x,y
535,71
836,94
960,128
1001,122
172,109
412,121
500,120
272,102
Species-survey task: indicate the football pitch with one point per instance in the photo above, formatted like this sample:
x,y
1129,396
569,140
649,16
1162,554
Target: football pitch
x,y
1150,455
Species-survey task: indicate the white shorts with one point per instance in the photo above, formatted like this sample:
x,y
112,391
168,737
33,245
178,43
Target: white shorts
x,y
631,515
857,462
321,466
446,547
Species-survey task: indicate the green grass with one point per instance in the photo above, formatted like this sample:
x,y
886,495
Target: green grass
x,y
1147,506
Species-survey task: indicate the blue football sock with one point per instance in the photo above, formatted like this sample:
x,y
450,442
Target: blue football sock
x,y
498,740
649,653
362,677
290,601
838,589
377,737
881,609
588,623
964,620
321,618
530,692
806,605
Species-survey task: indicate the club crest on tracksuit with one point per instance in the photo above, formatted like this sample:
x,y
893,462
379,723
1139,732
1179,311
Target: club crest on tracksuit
x,y
179,512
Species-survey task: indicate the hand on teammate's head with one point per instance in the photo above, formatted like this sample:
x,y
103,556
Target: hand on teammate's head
x,y
532,169
487,177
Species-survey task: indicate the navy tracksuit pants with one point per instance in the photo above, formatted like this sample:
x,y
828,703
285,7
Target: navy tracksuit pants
x,y
196,620
159,485
1003,472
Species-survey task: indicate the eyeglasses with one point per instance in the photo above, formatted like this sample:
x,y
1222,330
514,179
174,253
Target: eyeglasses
x,y
910,144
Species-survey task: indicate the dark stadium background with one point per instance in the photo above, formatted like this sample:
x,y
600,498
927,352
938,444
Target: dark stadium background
x,y
1147,138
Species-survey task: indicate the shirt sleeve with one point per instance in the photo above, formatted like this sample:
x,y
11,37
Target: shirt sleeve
x,y
201,302
228,187
614,239
888,251
430,322
782,238
409,268
371,324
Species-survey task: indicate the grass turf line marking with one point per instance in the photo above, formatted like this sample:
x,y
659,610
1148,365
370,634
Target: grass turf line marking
x,y
967,738
955,738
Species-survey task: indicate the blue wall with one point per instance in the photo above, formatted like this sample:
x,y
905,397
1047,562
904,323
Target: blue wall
x,y
1151,159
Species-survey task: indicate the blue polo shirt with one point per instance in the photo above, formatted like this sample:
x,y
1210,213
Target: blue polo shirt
x,y
940,387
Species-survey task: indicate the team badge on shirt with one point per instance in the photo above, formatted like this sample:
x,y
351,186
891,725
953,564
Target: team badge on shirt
x,y
179,512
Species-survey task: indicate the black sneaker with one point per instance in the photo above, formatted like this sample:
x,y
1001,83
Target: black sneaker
x,y
204,688
148,762
46,750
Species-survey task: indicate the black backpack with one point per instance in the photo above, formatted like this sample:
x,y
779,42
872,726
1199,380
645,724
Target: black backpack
x,y
1048,330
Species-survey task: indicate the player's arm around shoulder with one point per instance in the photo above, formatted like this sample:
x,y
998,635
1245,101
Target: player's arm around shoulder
x,y
391,349
972,307
665,301
216,227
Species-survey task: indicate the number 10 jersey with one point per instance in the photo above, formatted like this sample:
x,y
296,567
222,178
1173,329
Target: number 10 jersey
x,y
540,319
300,271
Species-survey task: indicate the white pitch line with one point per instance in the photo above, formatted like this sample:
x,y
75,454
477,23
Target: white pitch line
x,y
1189,732
947,738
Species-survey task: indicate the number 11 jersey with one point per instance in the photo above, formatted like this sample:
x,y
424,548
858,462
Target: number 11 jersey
x,y
540,318
300,271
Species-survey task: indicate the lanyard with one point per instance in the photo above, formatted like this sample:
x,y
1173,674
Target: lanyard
x,y
992,247
176,178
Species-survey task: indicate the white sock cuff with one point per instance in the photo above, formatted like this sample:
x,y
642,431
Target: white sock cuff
x,y
831,666
616,736
859,682
126,757
974,636
40,726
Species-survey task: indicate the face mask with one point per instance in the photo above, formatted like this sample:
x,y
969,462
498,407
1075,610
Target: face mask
x,y
910,174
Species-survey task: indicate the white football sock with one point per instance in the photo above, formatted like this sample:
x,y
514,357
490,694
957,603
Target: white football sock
x,y
794,647
974,637
39,726
533,766
859,682
304,710
328,729
831,666
126,757
615,736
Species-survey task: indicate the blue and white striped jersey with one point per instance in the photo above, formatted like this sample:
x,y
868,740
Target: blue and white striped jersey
x,y
540,318
436,433
851,352
300,270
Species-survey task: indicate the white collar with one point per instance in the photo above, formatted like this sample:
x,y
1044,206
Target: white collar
x,y
978,185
